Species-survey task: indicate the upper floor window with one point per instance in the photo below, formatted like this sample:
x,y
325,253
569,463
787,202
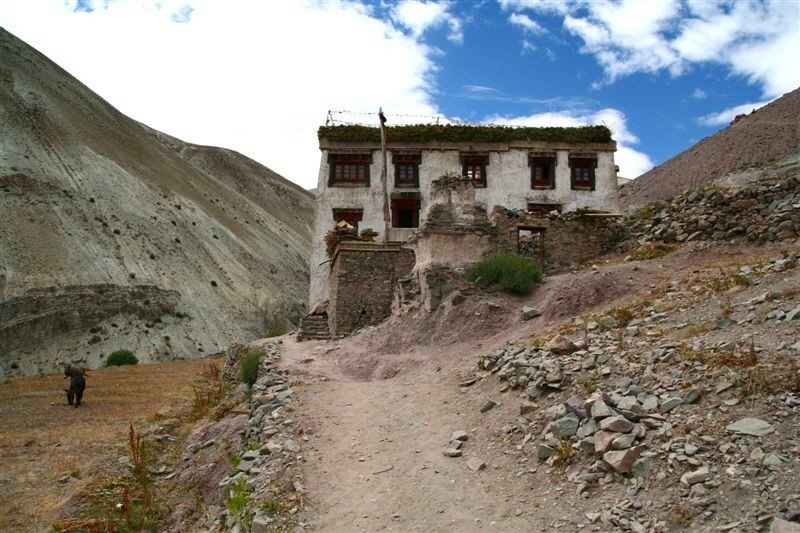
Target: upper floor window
x,y
582,171
474,167
543,167
349,169
406,169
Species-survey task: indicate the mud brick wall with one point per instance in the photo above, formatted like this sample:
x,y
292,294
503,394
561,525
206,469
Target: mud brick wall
x,y
363,279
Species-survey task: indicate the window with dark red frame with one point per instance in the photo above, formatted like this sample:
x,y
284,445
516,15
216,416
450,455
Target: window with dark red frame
x,y
406,169
542,172
474,167
349,169
405,212
582,172
352,216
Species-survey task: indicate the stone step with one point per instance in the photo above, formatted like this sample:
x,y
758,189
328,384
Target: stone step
x,y
313,327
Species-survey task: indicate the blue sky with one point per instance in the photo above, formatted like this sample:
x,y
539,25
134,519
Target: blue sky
x,y
259,77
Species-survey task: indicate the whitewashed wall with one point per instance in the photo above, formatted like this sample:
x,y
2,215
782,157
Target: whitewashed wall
x,y
508,185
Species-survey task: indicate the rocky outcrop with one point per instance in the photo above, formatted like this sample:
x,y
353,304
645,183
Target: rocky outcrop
x,y
48,312
764,211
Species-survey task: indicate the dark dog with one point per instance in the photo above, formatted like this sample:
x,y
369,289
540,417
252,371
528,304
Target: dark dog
x,y
75,392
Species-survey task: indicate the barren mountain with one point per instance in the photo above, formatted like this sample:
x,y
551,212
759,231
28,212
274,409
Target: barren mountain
x,y
755,140
116,236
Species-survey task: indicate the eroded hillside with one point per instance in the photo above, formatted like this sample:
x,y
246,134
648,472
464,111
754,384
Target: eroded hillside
x,y
116,236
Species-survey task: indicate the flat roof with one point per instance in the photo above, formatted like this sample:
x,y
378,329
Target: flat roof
x,y
425,133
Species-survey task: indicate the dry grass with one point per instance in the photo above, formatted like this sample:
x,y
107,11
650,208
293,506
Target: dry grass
x,y
652,251
692,330
42,439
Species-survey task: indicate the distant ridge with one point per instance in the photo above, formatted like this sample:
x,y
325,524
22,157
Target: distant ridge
x,y
765,135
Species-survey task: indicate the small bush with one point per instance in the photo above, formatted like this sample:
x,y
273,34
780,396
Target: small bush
x,y
514,273
248,367
589,382
95,339
122,357
275,331
623,315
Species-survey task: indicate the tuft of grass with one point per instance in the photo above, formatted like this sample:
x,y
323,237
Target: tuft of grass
x,y
645,213
741,280
564,450
239,499
275,331
652,251
209,391
271,507
235,460
623,315
248,366
751,382
681,515
140,509
693,330
121,357
515,273
589,382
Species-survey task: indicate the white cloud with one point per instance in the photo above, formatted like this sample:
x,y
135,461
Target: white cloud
x,y
420,16
254,76
699,94
632,163
723,118
757,40
527,24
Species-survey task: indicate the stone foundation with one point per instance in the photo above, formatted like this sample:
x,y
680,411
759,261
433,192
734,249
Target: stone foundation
x,y
362,282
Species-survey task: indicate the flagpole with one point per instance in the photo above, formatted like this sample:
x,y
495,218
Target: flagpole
x,y
386,214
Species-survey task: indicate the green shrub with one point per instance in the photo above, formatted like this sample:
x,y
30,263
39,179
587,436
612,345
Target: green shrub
x,y
122,357
248,367
275,331
514,273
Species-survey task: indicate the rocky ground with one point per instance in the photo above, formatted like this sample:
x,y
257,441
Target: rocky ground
x,y
671,406
655,395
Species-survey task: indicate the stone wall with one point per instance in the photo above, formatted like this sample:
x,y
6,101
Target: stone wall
x,y
568,239
764,211
362,282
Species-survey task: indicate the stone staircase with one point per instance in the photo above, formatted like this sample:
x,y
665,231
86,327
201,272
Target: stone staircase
x,y
313,327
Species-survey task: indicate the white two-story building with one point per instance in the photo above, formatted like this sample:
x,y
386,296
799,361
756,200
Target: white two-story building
x,y
526,169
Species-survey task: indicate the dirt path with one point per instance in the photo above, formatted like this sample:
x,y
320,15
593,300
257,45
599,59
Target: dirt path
x,y
375,460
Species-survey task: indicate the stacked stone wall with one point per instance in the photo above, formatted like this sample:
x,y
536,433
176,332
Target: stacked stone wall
x,y
363,279
764,211
569,239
